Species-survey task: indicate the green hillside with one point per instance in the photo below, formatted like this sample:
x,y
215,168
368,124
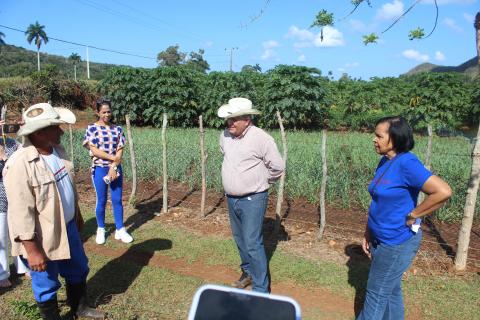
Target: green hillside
x,y
469,68
17,61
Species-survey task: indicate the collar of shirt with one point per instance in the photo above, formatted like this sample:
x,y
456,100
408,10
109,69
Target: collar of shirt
x,y
243,133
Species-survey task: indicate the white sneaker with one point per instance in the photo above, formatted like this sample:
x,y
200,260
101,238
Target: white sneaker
x,y
122,234
100,239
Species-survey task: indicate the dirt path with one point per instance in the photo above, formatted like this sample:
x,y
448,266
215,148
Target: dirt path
x,y
317,298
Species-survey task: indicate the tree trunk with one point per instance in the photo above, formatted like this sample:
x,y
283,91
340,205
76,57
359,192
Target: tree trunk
x,y
38,59
477,29
203,159
75,72
323,186
133,194
278,209
467,221
164,157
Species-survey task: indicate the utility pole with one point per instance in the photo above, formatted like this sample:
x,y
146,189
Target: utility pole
x,y
88,65
231,57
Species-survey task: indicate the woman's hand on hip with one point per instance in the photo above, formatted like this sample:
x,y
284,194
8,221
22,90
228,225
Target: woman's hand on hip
x,y
366,244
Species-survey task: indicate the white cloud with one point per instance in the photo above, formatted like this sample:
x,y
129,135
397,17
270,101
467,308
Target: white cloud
x,y
351,64
208,44
268,49
357,25
390,11
449,22
415,55
302,58
270,44
468,17
305,38
439,56
442,2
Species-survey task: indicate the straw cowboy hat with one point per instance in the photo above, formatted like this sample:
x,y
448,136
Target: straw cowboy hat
x,y
42,115
236,107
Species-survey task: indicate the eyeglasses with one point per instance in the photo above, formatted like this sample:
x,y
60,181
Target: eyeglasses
x,y
102,101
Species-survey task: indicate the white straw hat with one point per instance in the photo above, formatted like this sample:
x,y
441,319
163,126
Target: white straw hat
x,y
236,107
42,115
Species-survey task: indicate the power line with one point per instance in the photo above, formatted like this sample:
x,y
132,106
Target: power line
x,y
86,45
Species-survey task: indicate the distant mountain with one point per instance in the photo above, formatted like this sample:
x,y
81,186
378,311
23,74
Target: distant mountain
x,y
18,61
470,68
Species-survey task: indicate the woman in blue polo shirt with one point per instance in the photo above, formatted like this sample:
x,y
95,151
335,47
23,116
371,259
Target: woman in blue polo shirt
x,y
393,234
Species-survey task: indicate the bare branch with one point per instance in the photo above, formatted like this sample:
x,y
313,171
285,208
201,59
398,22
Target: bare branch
x,y
436,20
403,14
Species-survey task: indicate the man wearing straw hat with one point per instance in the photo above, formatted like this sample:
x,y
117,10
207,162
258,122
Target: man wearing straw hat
x,y
43,212
251,162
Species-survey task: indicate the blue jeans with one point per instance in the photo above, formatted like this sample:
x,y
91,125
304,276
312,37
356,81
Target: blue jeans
x,y
101,188
383,298
45,284
246,220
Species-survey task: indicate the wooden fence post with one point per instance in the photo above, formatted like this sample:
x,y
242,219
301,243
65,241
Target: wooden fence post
x,y
164,156
71,142
203,159
428,158
323,185
467,221
133,195
281,185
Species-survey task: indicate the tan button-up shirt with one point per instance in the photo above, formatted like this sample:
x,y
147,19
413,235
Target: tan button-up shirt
x,y
250,162
34,204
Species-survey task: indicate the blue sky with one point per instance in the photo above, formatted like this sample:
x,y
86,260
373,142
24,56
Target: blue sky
x,y
267,32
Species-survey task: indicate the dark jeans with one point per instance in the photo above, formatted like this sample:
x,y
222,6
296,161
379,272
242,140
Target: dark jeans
x,y
383,298
246,220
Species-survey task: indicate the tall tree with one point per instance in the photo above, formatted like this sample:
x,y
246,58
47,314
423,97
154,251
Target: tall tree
x,y
477,29
36,32
197,62
2,35
75,59
250,68
171,56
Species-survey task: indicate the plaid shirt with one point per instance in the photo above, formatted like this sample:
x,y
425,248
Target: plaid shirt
x,y
108,139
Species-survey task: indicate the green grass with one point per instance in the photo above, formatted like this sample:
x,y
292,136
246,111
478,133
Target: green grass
x,y
128,290
351,163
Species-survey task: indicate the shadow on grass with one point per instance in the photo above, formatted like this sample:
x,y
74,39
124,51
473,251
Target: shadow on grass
x,y
118,274
358,266
271,239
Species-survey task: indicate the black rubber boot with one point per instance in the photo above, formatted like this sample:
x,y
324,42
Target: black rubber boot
x,y
77,299
49,309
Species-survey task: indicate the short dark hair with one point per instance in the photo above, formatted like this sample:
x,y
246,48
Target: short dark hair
x,y
400,132
100,102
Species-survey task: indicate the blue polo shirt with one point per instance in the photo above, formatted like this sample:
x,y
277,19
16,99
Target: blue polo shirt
x,y
394,191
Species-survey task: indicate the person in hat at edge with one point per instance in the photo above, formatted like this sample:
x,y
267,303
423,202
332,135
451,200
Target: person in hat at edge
x,y
251,162
43,213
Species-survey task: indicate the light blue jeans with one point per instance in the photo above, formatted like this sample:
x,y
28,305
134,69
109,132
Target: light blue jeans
x,y
383,300
45,284
246,220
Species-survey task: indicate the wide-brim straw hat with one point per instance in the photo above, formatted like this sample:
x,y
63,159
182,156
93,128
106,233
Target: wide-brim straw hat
x,y
237,107
42,115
